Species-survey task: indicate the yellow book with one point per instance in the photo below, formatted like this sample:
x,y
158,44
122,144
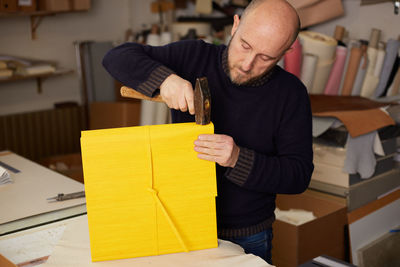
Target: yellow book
x,y
147,193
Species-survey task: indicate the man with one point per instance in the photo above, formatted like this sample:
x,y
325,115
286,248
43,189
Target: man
x,y
262,143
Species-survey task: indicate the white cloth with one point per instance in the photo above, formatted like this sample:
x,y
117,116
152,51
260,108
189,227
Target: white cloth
x,y
360,157
73,250
322,124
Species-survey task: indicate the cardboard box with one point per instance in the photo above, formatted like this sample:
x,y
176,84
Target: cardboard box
x,y
27,5
80,5
4,262
293,245
54,5
69,165
105,115
8,6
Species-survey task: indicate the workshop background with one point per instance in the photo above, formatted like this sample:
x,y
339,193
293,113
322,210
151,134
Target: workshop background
x,y
54,86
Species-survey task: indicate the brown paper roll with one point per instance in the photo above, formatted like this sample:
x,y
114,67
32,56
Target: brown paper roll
x,y
374,38
351,72
339,33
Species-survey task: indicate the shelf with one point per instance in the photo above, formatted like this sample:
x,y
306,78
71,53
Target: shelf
x,y
36,13
25,14
39,78
35,17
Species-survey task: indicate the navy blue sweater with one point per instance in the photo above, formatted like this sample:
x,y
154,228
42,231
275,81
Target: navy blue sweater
x,y
270,120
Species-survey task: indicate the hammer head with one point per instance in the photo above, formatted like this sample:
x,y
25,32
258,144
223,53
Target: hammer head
x,y
202,101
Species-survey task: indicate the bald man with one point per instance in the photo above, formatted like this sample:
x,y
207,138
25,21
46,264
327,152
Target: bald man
x,y
262,143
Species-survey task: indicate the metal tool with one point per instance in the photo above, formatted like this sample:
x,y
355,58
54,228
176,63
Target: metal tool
x,y
62,197
202,99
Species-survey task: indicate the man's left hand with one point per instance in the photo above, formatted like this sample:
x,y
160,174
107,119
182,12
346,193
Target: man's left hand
x,y
218,148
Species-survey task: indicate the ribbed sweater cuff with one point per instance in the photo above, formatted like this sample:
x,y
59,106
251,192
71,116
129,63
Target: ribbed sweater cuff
x,y
242,169
156,78
245,231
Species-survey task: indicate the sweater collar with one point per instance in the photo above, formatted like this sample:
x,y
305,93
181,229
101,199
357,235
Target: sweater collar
x,y
258,82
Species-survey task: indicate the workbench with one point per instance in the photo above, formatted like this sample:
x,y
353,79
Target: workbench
x,y
67,243
34,232
23,203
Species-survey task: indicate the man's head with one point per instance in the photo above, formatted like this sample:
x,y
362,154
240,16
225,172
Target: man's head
x,y
260,38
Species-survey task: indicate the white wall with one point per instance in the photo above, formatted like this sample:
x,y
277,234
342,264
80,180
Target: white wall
x,y
107,21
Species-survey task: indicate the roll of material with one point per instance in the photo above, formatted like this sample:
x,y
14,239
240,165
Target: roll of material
x,y
392,48
324,47
371,81
165,38
332,86
358,81
161,114
309,66
153,39
204,7
379,59
148,112
352,69
395,86
152,113
392,76
374,38
362,71
292,60
339,33
346,64
281,63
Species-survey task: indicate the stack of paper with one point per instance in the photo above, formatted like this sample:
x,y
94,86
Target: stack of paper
x,y
25,67
294,216
35,69
5,72
5,177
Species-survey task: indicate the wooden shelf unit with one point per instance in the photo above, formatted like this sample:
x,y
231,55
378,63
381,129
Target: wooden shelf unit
x,y
36,17
39,78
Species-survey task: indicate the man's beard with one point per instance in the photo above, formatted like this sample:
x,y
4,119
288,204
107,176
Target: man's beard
x,y
238,80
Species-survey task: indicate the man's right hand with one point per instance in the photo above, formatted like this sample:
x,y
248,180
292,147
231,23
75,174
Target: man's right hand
x,y
178,93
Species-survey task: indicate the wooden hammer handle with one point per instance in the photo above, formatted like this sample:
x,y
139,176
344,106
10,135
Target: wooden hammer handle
x,y
132,93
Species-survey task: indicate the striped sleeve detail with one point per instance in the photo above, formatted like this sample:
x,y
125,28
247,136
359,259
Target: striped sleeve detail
x,y
242,169
156,78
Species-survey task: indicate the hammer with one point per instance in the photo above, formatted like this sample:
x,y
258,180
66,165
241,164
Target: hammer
x,y
202,99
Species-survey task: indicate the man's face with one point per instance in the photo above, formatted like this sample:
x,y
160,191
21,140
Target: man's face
x,y
252,52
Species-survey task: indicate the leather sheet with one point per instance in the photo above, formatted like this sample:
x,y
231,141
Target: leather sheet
x,y
358,114
312,12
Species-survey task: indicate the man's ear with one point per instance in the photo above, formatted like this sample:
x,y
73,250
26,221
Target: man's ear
x,y
236,21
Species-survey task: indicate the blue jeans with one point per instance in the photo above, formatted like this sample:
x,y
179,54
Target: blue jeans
x,y
259,244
